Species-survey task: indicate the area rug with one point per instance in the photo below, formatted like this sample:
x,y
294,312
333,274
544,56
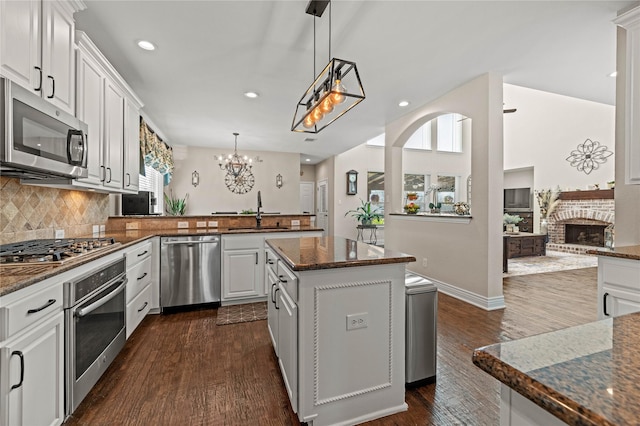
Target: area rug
x,y
241,313
552,262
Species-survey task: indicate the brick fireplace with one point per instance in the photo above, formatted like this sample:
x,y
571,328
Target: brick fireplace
x,y
579,220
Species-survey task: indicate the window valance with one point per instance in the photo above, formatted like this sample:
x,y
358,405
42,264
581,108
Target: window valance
x,y
154,152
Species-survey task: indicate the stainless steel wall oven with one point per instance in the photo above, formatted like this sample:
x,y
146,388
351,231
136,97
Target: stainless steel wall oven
x,y
94,327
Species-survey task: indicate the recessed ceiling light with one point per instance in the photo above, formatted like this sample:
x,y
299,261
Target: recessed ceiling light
x,y
613,74
403,103
251,95
146,45
307,159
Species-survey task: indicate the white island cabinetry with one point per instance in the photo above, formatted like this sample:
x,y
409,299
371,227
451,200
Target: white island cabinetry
x,y
618,284
339,320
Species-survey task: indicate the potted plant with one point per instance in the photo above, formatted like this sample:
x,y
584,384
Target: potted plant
x,y
510,221
435,207
175,206
411,208
365,214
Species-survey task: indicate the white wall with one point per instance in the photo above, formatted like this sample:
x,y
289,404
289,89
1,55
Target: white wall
x,y
545,129
212,194
519,178
307,173
362,159
466,257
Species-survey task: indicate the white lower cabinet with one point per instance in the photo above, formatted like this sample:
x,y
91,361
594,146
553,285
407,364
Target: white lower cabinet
x,y
618,286
241,274
244,278
32,358
287,335
139,283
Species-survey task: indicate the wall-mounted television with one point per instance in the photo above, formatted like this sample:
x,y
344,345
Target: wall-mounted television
x,y
517,199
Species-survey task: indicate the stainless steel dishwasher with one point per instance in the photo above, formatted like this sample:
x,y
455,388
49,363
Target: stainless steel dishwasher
x,y
189,270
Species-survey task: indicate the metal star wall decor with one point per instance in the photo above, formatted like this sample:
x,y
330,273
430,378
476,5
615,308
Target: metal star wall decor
x,y
588,156
240,184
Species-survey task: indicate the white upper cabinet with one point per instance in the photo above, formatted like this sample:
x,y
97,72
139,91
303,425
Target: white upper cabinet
x,y
131,177
37,50
111,110
630,21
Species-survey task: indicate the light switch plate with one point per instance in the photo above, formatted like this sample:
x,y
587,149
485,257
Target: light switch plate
x,y
131,225
295,223
59,233
202,224
96,230
183,224
213,224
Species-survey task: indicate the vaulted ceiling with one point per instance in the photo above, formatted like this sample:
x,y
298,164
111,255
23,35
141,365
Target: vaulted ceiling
x,y
211,52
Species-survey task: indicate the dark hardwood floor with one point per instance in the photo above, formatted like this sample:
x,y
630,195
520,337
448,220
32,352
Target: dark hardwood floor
x,y
182,369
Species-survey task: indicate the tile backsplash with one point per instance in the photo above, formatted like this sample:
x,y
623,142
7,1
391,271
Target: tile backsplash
x,y
29,212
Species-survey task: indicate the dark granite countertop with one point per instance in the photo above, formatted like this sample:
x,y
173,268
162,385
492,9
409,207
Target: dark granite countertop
x,y
584,375
312,253
628,252
13,278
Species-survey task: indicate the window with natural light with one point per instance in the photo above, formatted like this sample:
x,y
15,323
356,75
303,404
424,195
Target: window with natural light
x,y
449,130
152,181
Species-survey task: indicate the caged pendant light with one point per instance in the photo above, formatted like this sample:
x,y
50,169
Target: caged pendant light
x,y
334,91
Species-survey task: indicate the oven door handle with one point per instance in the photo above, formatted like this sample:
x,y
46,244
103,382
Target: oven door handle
x,y
95,305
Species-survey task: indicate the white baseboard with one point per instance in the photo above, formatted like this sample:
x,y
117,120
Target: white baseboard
x,y
486,303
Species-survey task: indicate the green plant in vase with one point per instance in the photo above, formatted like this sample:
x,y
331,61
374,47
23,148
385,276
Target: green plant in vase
x,y
365,214
435,207
175,206
510,221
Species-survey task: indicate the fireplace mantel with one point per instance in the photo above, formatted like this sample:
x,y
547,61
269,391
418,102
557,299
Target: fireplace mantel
x,y
597,194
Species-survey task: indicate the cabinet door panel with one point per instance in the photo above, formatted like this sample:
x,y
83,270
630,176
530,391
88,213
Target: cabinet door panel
x,y
58,55
288,345
113,135
39,399
20,44
240,274
619,302
131,176
90,110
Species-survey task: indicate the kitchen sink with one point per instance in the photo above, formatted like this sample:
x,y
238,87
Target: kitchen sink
x,y
245,228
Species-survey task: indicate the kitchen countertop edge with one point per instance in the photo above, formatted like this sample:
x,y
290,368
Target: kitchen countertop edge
x,y
124,239
545,397
399,258
625,252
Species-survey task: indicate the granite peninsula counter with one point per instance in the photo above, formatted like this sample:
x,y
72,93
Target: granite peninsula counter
x,y
584,375
337,320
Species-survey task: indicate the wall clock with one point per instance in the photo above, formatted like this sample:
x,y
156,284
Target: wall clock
x,y
352,182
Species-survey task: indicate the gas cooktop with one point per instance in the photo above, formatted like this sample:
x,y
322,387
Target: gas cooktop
x,y
51,251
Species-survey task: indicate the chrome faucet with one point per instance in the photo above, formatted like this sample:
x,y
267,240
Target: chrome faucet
x,y
258,214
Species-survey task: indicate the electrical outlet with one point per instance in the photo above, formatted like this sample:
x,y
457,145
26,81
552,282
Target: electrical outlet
x,y
103,228
96,230
59,233
202,224
213,224
183,224
132,225
424,262
295,223
355,321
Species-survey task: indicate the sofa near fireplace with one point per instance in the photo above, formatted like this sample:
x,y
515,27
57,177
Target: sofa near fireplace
x,y
579,221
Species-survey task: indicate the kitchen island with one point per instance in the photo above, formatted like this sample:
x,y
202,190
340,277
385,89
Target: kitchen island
x,y
584,375
337,320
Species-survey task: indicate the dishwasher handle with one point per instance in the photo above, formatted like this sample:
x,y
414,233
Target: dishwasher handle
x,y
191,243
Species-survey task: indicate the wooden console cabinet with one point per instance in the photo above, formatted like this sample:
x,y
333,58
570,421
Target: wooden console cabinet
x,y
521,245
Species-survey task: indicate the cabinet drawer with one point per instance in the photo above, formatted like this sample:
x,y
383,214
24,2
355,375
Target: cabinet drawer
x,y
137,309
138,253
29,310
620,273
288,280
139,277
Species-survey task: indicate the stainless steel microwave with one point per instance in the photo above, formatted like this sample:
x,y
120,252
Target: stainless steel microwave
x,y
38,139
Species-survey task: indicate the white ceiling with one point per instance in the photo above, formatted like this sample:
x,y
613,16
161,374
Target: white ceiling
x,y
211,52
